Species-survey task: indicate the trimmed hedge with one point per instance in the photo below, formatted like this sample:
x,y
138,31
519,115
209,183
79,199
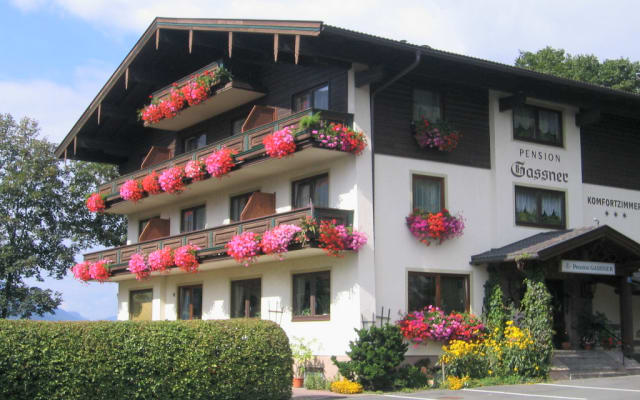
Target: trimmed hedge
x,y
231,359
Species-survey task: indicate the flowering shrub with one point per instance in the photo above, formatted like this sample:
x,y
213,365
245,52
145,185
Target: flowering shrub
x,y
195,91
276,241
80,271
432,324
139,267
160,260
341,137
455,383
171,180
196,170
95,203
434,227
99,270
220,162
280,143
510,352
346,386
131,190
438,135
150,183
244,248
185,258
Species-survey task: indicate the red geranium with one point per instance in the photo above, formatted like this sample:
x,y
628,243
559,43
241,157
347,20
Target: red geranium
x,y
185,258
99,270
196,170
138,266
279,144
81,271
95,203
333,238
160,260
171,180
150,183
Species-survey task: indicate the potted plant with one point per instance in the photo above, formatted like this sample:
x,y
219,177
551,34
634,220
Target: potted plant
x,y
588,341
302,354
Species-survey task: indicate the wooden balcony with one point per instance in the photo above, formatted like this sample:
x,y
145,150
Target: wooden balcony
x,y
250,150
212,240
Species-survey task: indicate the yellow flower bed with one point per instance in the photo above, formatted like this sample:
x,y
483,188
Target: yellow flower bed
x,y
346,386
455,383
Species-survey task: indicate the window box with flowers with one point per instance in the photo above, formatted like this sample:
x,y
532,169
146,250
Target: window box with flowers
x,y
436,228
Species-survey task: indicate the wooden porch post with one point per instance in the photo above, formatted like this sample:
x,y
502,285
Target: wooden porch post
x,y
626,315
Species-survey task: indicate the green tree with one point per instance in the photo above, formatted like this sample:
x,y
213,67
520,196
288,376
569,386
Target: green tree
x,y
617,74
43,220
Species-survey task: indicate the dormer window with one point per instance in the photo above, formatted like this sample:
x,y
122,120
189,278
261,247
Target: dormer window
x,y
317,97
535,124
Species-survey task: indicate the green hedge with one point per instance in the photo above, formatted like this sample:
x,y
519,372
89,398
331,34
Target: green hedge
x,y
232,359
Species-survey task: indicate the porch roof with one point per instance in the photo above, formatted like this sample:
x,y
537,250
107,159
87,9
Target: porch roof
x,y
546,245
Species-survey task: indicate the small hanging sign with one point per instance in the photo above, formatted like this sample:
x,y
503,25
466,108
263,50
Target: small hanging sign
x,y
588,267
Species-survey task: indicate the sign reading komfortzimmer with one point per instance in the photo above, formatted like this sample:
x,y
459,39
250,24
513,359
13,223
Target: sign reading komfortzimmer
x,y
588,267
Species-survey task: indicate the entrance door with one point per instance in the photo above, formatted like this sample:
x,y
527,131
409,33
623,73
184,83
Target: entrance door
x,y
556,288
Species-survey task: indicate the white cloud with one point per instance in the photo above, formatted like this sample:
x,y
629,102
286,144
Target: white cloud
x,y
55,106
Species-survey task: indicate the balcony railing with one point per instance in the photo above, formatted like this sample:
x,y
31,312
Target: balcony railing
x,y
248,145
211,241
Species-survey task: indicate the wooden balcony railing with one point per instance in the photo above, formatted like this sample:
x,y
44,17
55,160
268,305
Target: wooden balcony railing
x,y
211,241
248,144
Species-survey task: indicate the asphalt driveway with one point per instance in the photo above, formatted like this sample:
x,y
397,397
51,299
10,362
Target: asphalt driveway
x,y
613,388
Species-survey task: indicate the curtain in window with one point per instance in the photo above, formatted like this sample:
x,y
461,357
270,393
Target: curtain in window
x,y
551,205
321,98
140,308
422,291
524,122
427,194
185,302
453,294
301,295
526,202
549,125
426,104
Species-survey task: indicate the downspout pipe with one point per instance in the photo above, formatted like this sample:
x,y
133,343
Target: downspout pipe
x,y
390,82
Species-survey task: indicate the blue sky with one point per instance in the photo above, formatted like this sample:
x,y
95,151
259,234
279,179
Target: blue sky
x,y
57,54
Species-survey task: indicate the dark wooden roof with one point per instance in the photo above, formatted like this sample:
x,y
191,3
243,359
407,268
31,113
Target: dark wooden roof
x,y
546,245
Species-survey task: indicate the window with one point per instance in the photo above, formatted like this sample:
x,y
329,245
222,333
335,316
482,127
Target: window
x,y
140,305
143,224
190,302
245,298
192,219
311,296
195,142
428,193
237,205
427,104
236,126
315,189
313,98
536,124
540,207
449,292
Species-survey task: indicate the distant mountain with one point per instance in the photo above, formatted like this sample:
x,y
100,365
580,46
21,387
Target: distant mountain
x,y
59,315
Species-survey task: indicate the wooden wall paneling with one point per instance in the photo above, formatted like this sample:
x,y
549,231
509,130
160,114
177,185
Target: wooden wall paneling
x,y
200,239
149,247
155,156
257,226
291,219
172,243
259,115
222,235
260,204
156,228
127,252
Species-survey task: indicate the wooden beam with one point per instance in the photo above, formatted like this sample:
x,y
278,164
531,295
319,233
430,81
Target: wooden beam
x,y
626,315
296,52
588,117
157,38
99,112
509,103
126,79
230,43
275,47
371,75
75,145
190,40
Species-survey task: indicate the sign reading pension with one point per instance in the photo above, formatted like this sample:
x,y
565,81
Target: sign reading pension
x,y
588,267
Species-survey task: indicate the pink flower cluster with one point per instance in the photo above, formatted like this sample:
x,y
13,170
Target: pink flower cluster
x,y
434,227
161,260
196,170
340,137
432,324
280,143
356,240
220,162
139,267
276,241
132,190
86,270
95,203
171,180
184,257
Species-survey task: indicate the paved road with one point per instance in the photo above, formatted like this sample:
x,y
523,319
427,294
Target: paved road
x,y
615,388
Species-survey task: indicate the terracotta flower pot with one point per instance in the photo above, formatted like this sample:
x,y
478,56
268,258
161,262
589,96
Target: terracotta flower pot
x,y
297,382
587,346
566,345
